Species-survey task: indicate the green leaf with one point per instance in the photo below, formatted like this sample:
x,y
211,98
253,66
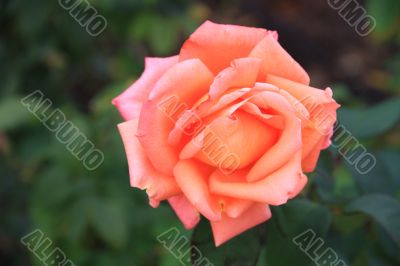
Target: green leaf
x,y
391,159
375,261
242,250
383,209
53,188
387,243
76,220
203,240
378,180
12,113
299,215
385,12
109,219
345,186
280,249
345,223
288,222
140,25
160,33
163,35
371,121
323,181
349,246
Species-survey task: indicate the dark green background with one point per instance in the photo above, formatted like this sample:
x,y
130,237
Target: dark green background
x,y
97,219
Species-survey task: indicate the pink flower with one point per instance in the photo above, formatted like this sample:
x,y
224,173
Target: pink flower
x,y
224,129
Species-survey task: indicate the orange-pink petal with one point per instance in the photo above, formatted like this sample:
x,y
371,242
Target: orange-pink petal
x,y
289,142
232,142
185,211
142,174
301,183
311,98
228,227
274,189
201,114
178,88
217,45
130,101
242,73
277,61
192,178
236,207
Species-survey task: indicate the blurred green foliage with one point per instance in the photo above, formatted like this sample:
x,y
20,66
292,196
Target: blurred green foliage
x,y
96,218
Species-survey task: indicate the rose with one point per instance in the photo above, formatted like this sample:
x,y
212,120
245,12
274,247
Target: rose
x,y
224,129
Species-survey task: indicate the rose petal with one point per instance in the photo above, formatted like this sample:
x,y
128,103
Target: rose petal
x,y
217,45
192,179
275,121
223,101
130,101
236,207
310,97
199,115
312,145
299,186
228,228
185,211
273,189
322,115
142,173
242,138
177,89
139,165
277,61
298,107
289,142
242,73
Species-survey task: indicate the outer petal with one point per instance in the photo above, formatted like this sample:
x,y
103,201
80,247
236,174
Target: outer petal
x,y
299,186
217,45
185,211
277,61
179,88
274,189
242,73
322,109
130,101
314,148
228,228
192,179
313,143
142,173
310,97
139,165
317,135
236,207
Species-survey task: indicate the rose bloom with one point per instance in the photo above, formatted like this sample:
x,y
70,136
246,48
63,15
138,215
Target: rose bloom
x,y
224,129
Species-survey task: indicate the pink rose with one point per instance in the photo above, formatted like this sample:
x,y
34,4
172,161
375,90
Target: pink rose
x,y
224,129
